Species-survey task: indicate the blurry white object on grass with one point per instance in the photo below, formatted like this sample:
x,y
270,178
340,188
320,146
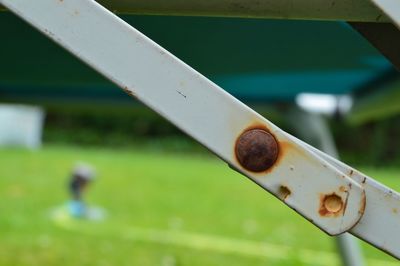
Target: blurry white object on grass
x,y
327,104
21,125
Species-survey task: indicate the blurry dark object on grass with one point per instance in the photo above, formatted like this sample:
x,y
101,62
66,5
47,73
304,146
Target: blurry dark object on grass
x,y
82,175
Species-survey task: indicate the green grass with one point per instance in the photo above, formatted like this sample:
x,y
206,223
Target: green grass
x,y
164,208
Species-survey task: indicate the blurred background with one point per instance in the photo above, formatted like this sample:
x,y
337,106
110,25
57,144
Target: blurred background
x,y
168,200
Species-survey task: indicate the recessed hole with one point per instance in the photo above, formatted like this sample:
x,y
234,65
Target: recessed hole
x,y
284,192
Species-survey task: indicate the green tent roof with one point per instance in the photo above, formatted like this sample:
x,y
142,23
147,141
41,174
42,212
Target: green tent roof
x,y
254,59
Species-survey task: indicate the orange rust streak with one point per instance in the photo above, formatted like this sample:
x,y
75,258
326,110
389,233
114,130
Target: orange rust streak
x,y
129,92
363,203
285,148
257,126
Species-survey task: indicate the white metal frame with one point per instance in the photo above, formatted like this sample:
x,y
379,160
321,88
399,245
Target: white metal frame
x,y
314,129
216,119
391,8
343,10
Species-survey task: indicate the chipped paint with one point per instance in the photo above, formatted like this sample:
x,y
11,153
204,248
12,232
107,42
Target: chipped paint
x,y
284,192
129,92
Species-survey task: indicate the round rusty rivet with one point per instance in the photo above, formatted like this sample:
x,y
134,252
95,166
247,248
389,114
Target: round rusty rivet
x,y
333,203
256,150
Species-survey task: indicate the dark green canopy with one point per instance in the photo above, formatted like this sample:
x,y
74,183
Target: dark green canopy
x,y
256,60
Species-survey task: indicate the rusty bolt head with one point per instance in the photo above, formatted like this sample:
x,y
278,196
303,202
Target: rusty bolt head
x,y
256,150
333,203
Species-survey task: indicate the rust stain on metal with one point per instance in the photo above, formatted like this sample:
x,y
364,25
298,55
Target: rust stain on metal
x,y
256,149
394,210
351,172
343,189
129,92
283,148
331,205
284,192
363,203
257,125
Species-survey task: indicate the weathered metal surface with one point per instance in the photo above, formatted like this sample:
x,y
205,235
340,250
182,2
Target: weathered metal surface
x,y
380,223
190,101
314,129
345,10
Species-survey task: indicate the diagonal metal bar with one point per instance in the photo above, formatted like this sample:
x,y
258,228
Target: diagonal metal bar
x,y
301,177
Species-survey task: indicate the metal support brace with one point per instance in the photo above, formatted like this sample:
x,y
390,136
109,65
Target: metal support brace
x,y
314,129
333,196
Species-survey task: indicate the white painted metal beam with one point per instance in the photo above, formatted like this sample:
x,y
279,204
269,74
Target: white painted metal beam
x,y
315,186
344,10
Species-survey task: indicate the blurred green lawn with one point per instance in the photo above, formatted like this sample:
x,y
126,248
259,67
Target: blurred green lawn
x,y
164,208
